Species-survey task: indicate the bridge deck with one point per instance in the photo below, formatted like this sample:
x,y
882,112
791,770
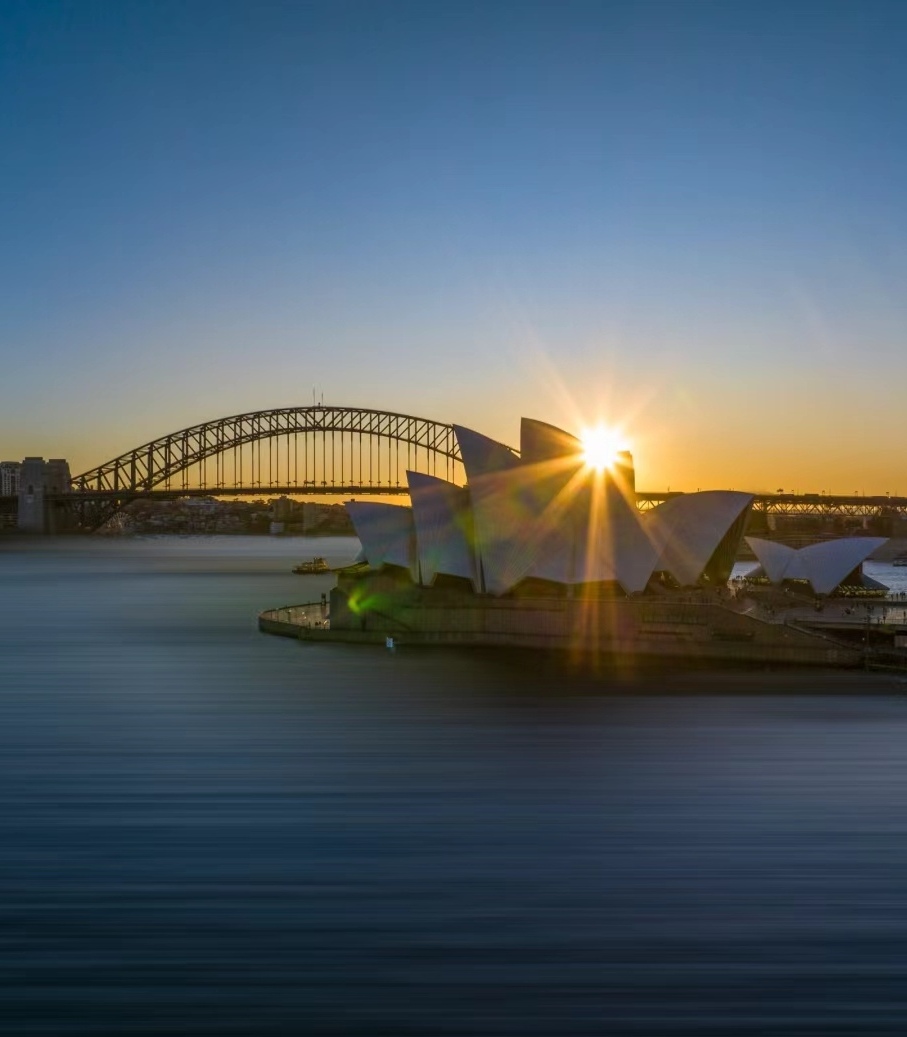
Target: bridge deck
x,y
779,504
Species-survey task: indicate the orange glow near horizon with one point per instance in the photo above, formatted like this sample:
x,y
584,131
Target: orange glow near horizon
x,y
601,445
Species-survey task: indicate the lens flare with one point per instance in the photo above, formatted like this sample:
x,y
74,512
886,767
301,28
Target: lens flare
x,y
601,445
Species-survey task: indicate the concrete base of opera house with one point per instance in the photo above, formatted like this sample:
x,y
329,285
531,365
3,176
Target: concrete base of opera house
x,y
684,627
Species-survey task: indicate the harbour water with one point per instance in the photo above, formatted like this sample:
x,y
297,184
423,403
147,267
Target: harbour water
x,y
207,830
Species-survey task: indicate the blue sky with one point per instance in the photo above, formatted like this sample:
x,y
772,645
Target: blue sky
x,y
688,217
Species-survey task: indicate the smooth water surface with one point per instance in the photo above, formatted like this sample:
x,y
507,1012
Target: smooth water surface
x,y
207,830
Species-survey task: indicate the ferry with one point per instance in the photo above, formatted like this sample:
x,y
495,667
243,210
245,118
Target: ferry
x,y
316,565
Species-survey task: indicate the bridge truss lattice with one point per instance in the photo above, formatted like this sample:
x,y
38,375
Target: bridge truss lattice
x,y
303,450
314,448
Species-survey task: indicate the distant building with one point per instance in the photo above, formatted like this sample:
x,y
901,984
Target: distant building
x,y
204,504
32,517
9,478
57,477
38,479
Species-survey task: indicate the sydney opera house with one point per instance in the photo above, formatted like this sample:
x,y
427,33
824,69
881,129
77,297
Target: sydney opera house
x,y
546,517
543,549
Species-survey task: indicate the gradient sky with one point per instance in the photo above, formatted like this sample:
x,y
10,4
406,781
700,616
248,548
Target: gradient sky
x,y
686,217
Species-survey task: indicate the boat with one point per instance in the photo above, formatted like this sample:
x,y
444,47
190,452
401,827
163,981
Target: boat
x,y
316,565
901,559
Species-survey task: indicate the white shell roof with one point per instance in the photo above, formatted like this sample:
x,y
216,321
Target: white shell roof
x,y
613,544
387,533
481,455
556,461
587,531
546,515
504,508
824,565
510,526
540,441
444,528
686,530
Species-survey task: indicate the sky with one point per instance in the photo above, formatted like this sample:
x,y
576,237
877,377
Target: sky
x,y
683,218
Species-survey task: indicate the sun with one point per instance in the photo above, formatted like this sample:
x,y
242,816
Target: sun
x,y
601,445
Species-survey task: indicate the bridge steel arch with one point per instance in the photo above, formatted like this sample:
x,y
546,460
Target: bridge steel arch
x,y
342,448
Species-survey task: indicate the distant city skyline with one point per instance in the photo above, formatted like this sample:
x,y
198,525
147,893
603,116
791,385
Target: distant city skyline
x,y
686,219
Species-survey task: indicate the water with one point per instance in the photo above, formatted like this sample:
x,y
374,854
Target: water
x,y
206,830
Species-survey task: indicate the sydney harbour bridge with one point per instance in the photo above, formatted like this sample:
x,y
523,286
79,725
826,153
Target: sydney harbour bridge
x,y
323,450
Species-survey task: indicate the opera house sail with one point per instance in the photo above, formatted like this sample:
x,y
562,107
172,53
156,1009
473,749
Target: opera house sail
x,y
444,533
387,534
824,566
